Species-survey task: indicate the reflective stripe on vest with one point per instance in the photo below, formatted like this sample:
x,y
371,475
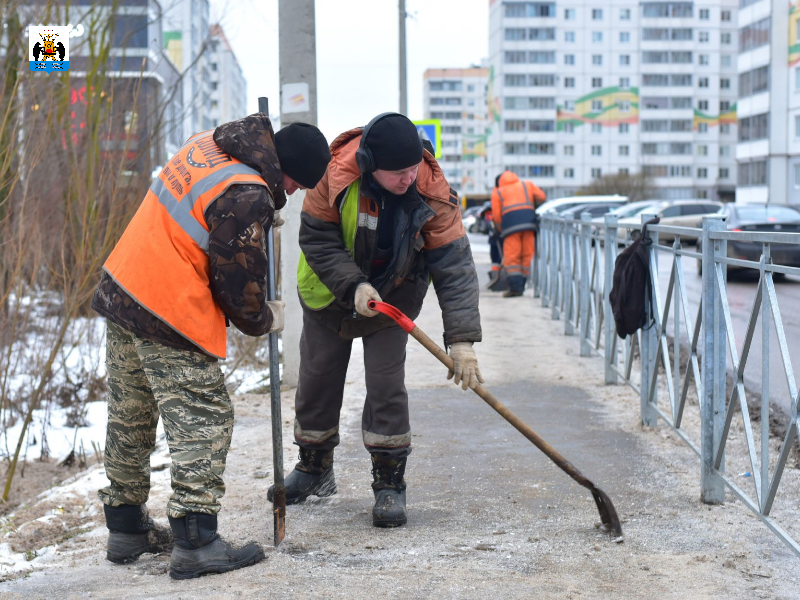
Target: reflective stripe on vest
x,y
314,293
161,260
527,204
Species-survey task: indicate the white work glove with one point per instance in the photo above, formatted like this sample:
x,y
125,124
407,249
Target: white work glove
x,y
465,366
364,293
278,318
276,220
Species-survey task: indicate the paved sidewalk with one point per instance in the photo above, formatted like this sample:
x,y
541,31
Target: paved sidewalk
x,y
489,515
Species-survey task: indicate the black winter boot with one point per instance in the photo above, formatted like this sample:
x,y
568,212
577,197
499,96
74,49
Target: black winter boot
x,y
200,551
389,488
131,533
312,476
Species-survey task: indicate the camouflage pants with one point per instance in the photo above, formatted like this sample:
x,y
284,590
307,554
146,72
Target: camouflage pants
x,y
187,390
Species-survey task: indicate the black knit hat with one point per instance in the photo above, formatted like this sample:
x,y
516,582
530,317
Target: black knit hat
x,y
394,143
303,153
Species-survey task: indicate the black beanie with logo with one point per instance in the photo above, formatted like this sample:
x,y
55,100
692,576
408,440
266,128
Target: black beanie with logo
x,y
395,143
303,153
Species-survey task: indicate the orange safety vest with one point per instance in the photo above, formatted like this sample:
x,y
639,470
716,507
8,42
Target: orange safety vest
x,y
161,260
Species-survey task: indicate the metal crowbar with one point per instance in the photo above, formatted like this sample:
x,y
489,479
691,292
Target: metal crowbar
x,y
608,514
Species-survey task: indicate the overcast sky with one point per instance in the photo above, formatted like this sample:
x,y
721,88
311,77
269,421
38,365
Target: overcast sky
x,y
357,51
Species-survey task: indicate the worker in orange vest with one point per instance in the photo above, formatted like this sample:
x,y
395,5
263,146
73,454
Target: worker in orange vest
x,y
514,203
192,259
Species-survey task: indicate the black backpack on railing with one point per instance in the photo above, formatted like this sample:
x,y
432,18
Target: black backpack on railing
x,y
632,285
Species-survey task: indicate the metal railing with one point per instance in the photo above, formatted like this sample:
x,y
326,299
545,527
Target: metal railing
x,y
573,273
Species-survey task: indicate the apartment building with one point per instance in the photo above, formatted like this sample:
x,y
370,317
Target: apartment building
x,y
458,98
228,100
768,152
582,88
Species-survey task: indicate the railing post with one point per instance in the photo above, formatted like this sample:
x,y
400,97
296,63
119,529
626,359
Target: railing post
x,y
713,347
557,259
610,330
535,264
649,348
585,240
569,260
544,259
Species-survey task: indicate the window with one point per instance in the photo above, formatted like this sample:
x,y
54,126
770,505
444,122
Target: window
x,y
624,171
724,173
539,103
597,151
797,78
624,59
511,80
542,80
569,59
597,173
702,150
680,102
569,82
597,82
667,9
515,125
569,36
682,58
530,9
568,128
624,150
702,59
725,15
445,86
624,128
797,126
541,125
624,82
569,14
597,105
655,102
597,128
702,128
681,80
569,173
724,106
597,14
724,127
703,37
451,129
541,171
754,128
724,83
725,60
752,173
754,35
624,37
512,58
704,14
515,33
724,150
624,14
655,125
597,59
702,104
725,38
702,173
213,66
654,57
597,36
569,150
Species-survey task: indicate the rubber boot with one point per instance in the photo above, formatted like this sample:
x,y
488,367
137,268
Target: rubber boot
x,y
312,476
131,533
200,551
389,488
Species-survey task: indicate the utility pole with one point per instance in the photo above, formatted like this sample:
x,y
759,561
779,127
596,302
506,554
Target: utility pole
x,y
403,93
298,103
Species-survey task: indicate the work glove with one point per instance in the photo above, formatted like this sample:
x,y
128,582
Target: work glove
x,y
465,366
364,293
276,220
278,318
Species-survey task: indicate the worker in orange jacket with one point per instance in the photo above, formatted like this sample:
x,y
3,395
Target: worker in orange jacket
x,y
514,203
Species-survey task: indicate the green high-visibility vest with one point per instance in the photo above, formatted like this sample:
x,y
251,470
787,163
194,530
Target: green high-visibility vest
x,y
315,294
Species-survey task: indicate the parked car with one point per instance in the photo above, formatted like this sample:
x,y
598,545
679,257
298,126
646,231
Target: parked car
x,y
626,210
678,213
483,218
595,209
561,204
760,217
470,218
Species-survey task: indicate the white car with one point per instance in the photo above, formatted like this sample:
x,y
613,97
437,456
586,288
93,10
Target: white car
x,y
561,204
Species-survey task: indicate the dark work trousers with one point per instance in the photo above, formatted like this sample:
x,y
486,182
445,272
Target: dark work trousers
x,y
324,357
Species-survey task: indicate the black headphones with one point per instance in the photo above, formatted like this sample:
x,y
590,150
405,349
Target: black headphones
x,y
364,158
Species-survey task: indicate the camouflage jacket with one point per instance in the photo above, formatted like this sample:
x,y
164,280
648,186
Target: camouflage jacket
x,y
238,223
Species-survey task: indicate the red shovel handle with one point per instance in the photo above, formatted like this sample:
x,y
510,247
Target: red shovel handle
x,y
393,313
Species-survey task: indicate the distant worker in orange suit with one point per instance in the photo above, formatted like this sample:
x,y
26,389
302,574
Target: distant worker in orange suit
x,y
514,203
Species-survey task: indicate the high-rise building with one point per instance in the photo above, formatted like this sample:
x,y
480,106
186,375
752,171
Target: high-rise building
x,y
457,97
580,89
186,38
228,86
768,152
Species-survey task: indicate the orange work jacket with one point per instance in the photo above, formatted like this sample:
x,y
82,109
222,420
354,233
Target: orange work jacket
x,y
161,260
514,202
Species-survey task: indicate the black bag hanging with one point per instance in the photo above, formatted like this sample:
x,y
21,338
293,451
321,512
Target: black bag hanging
x,y
632,285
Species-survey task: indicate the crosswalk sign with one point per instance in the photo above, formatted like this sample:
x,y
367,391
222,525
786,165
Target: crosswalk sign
x,y
431,129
